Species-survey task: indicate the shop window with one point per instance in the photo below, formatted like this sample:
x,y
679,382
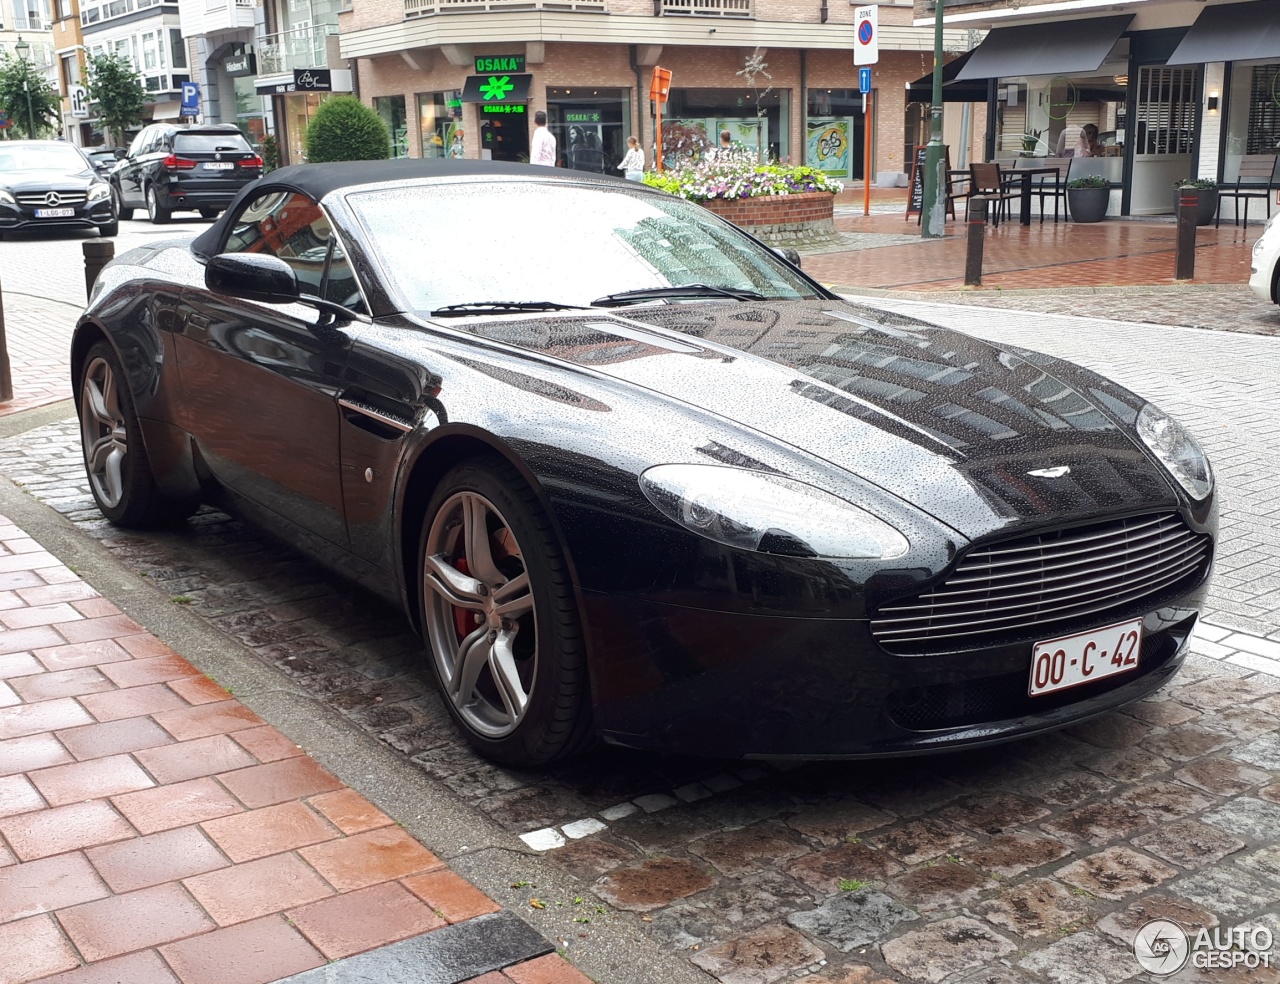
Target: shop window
x,y
834,133
591,126
1253,114
695,117
392,111
440,124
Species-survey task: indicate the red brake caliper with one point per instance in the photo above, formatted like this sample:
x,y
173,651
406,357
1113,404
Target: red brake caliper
x,y
463,619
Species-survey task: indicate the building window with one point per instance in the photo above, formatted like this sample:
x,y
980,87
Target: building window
x,y
70,72
591,126
177,48
392,111
695,118
440,124
1253,114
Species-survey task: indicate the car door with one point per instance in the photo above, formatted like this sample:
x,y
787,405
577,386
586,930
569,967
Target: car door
x,y
260,381
128,175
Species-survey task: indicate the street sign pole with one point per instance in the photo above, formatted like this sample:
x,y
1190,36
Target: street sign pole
x,y
864,84
659,91
934,221
866,52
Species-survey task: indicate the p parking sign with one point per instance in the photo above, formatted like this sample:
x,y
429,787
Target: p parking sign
x,y
866,46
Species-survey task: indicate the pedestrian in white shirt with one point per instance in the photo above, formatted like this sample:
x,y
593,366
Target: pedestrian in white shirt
x,y
633,161
544,144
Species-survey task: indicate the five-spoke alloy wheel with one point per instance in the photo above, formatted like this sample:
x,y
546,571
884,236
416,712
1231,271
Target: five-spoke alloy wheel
x,y
499,616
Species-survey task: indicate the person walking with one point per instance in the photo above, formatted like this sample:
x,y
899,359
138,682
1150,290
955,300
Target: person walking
x,y
632,165
544,144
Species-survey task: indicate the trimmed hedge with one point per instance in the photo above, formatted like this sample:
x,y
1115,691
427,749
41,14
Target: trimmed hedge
x,y
345,129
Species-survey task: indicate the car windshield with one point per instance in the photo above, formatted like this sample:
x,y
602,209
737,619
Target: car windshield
x,y
208,143
566,244
35,157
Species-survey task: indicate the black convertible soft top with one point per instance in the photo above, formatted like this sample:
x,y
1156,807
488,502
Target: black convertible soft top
x,y
318,180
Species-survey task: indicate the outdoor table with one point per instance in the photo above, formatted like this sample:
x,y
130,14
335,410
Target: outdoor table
x,y
1026,174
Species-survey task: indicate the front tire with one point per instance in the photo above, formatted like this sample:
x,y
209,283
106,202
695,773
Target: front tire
x,y
110,229
157,213
500,618
122,214
115,459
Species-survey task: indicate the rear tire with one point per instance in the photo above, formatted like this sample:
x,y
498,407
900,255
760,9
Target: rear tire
x,y
210,213
500,618
115,459
157,213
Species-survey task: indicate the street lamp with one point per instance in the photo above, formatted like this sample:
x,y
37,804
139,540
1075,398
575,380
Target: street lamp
x,y
23,48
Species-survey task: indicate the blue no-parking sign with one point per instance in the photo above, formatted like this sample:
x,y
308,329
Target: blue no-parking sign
x,y
190,99
864,80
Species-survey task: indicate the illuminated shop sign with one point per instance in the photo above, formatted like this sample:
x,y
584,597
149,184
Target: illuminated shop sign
x,y
582,117
503,109
499,63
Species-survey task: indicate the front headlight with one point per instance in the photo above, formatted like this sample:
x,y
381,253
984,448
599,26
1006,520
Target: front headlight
x,y
98,192
1177,450
768,513
7,198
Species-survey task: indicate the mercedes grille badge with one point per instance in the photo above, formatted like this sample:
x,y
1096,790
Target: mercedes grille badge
x,y
53,198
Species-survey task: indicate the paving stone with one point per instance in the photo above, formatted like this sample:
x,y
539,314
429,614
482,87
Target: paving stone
x,y
543,805
1184,744
593,856
1124,924
908,793
1115,873
990,975
1083,958
1162,713
1220,693
853,919
824,870
1110,731
652,884
861,974
1161,801
1265,861
763,955
1227,890
729,910
1036,908
1098,823
1128,765
1221,776
1247,817
993,814
920,841
941,885
1263,752
944,948
835,823
1189,843
1009,855
741,852
1067,788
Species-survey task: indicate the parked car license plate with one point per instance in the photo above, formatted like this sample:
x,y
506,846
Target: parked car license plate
x,y
1069,661
55,213
218,165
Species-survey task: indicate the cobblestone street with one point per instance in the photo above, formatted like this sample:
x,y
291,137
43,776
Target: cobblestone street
x,y
1034,862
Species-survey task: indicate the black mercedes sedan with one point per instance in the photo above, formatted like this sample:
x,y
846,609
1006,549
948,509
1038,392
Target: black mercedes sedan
x,y
48,184
635,477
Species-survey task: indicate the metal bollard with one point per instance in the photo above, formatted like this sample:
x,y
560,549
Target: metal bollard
x,y
97,254
977,237
6,377
1185,254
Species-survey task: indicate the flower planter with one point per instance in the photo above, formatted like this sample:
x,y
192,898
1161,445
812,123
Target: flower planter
x,y
1088,204
803,219
1206,203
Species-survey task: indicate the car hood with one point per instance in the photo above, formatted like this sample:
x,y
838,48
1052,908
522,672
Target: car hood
x,y
903,404
44,180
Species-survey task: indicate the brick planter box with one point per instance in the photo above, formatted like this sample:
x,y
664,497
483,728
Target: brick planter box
x,y
782,220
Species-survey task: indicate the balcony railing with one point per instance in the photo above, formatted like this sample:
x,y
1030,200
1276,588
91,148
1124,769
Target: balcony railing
x,y
707,8
427,8
300,48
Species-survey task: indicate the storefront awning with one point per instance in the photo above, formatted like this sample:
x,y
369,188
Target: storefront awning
x,y
1232,32
1061,48
496,88
974,90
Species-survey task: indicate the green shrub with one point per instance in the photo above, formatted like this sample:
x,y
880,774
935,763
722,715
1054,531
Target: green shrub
x,y
1091,181
345,129
1197,184
270,151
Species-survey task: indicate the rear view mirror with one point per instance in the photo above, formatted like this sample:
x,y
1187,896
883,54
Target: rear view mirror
x,y
253,277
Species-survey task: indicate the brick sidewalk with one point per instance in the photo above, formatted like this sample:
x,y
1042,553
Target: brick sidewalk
x,y
153,829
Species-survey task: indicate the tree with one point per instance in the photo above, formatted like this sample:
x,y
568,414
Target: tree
x,y
30,102
753,67
112,83
345,129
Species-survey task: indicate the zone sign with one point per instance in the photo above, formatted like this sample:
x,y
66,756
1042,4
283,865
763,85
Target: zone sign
x,y
866,47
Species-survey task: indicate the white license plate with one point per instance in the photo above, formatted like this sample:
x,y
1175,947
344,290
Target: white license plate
x,y
55,213
219,166
1058,664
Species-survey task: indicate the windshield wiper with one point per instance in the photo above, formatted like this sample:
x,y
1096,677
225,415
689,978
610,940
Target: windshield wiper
x,y
625,297
456,310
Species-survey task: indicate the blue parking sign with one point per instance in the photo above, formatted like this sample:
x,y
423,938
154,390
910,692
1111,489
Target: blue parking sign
x,y
190,99
864,80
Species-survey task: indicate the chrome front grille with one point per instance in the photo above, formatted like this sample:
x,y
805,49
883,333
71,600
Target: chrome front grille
x,y
40,199
1045,584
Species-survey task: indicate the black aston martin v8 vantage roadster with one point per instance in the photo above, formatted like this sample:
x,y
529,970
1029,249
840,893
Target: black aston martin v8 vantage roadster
x,y
633,476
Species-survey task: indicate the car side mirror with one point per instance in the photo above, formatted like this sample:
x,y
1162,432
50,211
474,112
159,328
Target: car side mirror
x,y
121,153
788,254
253,277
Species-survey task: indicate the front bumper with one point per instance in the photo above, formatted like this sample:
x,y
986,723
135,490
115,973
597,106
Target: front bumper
x,y
1262,271
695,682
85,215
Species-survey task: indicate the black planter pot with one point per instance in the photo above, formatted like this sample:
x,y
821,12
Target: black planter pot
x,y
1088,204
1206,203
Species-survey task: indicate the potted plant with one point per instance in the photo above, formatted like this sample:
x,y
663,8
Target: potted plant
x,y
1206,192
1030,141
1087,198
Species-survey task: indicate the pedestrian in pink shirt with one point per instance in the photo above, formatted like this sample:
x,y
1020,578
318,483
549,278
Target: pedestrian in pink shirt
x,y
544,144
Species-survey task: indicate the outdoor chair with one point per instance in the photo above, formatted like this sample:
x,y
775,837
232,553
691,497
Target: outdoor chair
x,y
957,189
1052,186
992,184
1253,181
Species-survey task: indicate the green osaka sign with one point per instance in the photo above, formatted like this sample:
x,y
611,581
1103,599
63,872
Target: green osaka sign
x,y
582,117
503,109
486,64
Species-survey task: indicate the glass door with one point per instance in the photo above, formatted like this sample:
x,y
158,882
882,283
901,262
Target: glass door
x,y
1164,131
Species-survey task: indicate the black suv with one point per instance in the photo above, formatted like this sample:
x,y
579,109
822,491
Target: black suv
x,y
171,168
